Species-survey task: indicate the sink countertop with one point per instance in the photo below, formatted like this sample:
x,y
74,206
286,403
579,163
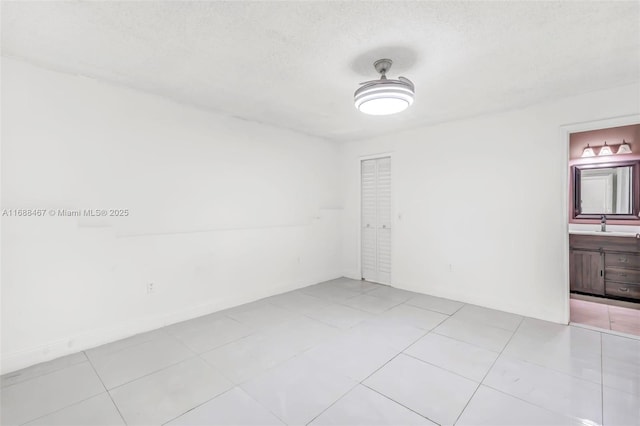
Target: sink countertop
x,y
606,233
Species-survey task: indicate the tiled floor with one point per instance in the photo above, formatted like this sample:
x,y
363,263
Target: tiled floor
x,y
616,318
343,352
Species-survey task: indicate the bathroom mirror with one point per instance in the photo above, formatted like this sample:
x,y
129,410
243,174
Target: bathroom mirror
x,y
610,189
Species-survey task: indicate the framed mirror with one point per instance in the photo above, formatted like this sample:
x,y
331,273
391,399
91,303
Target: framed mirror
x,y
611,189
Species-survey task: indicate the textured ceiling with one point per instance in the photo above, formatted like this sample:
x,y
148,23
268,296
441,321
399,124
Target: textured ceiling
x,y
296,64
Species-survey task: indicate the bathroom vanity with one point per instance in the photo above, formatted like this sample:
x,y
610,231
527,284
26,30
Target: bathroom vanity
x,y
605,264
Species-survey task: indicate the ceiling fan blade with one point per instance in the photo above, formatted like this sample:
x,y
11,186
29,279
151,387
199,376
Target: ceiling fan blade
x,y
406,80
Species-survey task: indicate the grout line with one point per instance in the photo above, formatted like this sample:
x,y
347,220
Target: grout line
x,y
361,382
400,404
489,370
441,367
107,390
86,359
155,371
484,325
529,402
67,406
577,419
601,380
334,402
616,333
218,396
433,310
77,402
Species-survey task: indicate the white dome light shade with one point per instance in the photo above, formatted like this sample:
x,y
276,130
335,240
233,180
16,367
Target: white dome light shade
x,y
384,97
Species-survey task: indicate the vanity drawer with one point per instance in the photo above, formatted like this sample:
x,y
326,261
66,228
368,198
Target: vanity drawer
x,y
622,275
622,260
631,291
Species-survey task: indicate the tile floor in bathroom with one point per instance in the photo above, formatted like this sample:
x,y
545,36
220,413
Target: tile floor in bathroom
x,y
608,317
342,352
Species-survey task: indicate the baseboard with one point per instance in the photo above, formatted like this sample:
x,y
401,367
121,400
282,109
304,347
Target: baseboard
x,y
91,339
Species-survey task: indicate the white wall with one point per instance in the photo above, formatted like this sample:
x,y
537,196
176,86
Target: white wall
x,y
223,212
481,204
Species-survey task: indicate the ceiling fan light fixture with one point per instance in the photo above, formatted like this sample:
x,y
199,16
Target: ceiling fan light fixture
x,y
384,96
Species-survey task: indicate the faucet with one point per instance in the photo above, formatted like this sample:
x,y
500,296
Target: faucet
x,y
603,223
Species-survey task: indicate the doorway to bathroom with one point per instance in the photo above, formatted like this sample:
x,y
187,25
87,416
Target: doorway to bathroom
x,y
604,226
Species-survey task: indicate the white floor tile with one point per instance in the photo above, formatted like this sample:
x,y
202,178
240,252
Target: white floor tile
x,y
340,316
250,356
246,358
233,407
122,344
42,369
547,388
297,356
261,315
298,390
437,304
620,408
333,293
489,317
488,407
484,336
96,411
395,334
365,407
621,375
360,286
571,350
392,293
30,399
193,323
132,362
431,391
217,332
298,301
621,363
458,357
414,316
351,356
166,394
371,304
621,348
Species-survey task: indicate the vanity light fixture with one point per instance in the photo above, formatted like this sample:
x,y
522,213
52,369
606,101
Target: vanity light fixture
x,y
605,150
588,152
384,96
625,148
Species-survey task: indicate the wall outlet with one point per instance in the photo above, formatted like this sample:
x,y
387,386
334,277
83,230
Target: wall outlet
x,y
151,288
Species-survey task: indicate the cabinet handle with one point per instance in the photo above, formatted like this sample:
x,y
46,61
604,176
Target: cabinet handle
x,y
624,260
600,272
623,289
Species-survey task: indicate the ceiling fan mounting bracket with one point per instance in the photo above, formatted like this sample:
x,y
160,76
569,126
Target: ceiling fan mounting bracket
x,y
383,65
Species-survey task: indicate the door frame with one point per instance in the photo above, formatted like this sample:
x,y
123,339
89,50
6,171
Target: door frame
x,y
565,133
393,210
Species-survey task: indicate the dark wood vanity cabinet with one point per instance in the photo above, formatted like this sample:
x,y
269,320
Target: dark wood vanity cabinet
x,y
587,273
605,266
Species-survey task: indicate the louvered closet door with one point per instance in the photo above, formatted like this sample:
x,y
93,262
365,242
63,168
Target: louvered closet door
x,y
376,220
